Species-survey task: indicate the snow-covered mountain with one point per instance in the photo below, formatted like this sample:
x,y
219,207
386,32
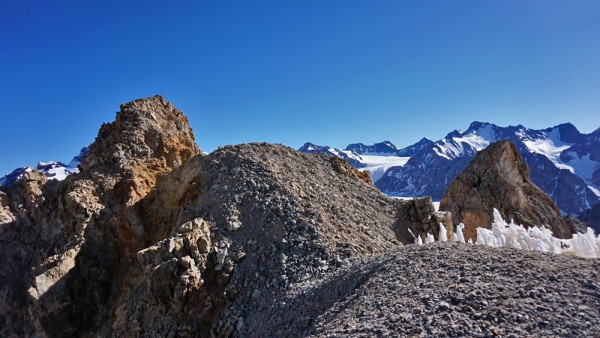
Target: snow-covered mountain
x,y
563,162
353,158
377,158
52,170
385,148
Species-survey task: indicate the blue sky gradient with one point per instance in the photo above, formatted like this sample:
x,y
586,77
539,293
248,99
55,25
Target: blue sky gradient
x,y
328,72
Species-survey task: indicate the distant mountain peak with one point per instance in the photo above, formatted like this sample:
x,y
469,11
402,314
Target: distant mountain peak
x,y
52,170
385,147
452,134
476,125
308,146
352,157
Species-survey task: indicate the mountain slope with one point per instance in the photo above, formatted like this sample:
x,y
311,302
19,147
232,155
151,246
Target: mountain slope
x,y
564,163
153,238
353,158
499,178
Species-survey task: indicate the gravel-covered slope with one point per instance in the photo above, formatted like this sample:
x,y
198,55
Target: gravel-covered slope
x,y
456,290
288,220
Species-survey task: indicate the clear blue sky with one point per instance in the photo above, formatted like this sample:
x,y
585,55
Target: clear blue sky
x,y
329,72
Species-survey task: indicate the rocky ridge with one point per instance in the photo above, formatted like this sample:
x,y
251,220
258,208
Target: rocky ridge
x,y
153,238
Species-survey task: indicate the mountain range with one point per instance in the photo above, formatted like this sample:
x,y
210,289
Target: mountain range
x,y
154,238
52,169
564,162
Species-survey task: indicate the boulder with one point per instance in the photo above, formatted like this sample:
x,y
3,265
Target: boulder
x,y
576,225
419,216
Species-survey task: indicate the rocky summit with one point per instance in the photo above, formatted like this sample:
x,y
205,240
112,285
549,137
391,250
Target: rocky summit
x,y
499,178
152,238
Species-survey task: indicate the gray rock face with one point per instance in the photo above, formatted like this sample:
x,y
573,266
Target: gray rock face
x,y
591,218
498,178
419,216
575,224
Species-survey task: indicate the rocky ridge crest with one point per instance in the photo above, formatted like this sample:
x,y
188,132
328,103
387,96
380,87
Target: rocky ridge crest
x,y
153,238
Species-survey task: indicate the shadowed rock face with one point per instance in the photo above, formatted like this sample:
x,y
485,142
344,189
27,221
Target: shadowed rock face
x,y
70,246
154,239
419,216
591,218
499,178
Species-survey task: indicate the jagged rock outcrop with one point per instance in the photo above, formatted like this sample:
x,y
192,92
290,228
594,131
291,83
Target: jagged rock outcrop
x,y
71,246
575,224
5,215
419,215
152,238
498,178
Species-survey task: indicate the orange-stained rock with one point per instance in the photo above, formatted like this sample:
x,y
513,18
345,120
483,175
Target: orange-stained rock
x,y
498,178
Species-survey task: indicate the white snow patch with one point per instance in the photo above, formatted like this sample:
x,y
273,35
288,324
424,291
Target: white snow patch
x,y
443,234
535,238
583,166
454,147
592,188
550,149
333,151
57,171
503,234
351,155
